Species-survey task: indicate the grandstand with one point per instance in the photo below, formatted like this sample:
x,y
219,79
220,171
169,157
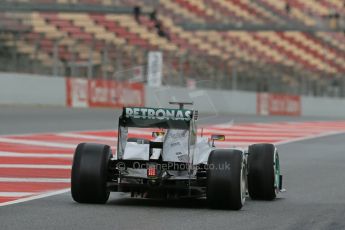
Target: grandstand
x,y
291,46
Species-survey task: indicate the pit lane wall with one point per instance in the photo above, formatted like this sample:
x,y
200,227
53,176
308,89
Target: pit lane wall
x,y
276,104
29,89
242,102
103,93
26,89
323,106
206,101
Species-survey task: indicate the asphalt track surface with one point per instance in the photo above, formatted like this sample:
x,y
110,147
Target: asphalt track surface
x,y
22,119
313,170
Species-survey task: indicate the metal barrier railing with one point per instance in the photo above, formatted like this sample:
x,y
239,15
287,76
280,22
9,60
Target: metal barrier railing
x,y
187,69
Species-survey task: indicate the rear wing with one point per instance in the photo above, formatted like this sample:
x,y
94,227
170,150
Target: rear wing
x,y
157,117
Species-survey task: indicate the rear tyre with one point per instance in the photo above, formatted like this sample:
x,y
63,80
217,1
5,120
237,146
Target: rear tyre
x,y
263,172
226,179
90,172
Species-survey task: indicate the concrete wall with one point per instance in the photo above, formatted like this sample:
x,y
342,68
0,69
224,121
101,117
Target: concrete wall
x,y
29,89
319,106
32,89
207,101
241,102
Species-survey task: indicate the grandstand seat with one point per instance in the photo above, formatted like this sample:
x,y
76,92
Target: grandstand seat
x,y
75,33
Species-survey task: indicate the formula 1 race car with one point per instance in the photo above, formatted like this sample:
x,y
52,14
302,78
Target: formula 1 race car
x,y
172,162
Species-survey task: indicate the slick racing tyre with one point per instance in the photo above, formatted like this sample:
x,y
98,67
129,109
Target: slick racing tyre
x,y
226,179
90,172
263,171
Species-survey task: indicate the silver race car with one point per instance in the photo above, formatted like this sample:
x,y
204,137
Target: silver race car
x,y
173,162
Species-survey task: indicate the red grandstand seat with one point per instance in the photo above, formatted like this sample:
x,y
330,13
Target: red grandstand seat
x,y
97,17
81,36
50,16
33,36
60,23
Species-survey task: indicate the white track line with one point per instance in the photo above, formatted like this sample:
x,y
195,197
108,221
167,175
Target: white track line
x,y
309,137
239,129
205,131
67,190
35,197
15,194
234,137
231,138
38,180
86,136
35,166
35,155
253,134
39,143
273,128
232,144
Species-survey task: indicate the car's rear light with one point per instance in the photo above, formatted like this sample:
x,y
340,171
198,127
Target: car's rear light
x,y
151,171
